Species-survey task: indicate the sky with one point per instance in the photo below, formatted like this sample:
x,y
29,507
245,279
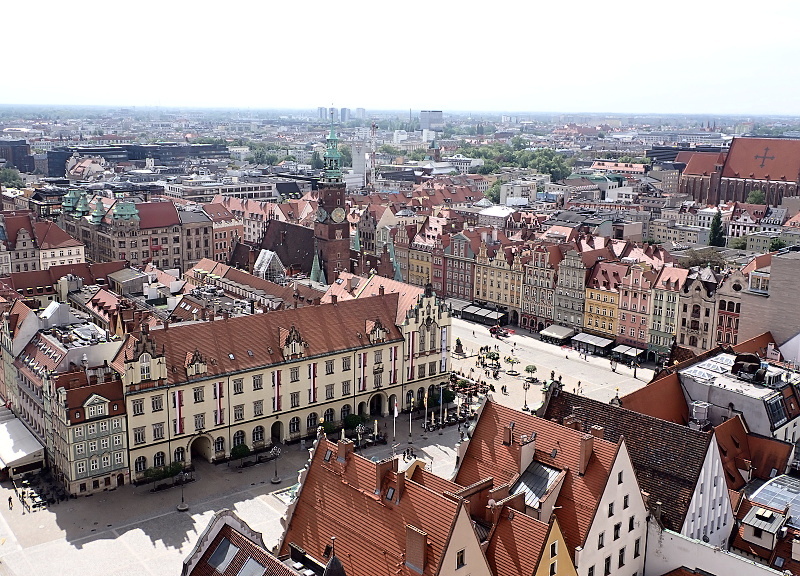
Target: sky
x,y
692,57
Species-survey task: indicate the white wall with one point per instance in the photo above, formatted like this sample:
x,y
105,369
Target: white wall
x,y
710,512
614,492
668,550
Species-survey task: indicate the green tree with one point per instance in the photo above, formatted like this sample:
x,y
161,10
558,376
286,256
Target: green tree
x,y
756,197
352,420
347,154
316,161
717,235
776,244
531,370
240,451
494,357
519,143
493,192
705,257
418,154
738,243
390,150
10,177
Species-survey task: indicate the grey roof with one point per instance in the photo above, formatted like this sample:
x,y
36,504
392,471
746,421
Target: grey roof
x,y
764,519
780,492
534,482
191,217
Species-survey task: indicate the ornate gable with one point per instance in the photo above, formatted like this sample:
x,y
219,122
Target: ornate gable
x,y
195,364
375,331
292,342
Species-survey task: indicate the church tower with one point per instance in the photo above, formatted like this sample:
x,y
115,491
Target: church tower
x,y
331,228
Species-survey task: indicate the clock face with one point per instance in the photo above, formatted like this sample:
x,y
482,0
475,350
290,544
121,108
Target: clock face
x,y
321,214
338,215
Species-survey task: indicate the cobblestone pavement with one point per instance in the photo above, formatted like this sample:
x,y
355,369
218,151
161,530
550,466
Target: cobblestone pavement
x,y
131,531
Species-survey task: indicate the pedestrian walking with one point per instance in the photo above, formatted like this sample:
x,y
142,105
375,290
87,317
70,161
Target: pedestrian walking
x,y
10,503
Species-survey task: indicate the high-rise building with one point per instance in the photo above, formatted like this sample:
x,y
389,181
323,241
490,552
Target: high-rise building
x,y
361,113
344,114
431,119
322,112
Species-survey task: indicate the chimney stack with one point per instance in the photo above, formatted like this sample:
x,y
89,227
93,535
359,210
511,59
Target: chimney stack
x,y
508,434
416,548
573,422
401,485
657,511
381,469
344,448
597,431
381,290
587,446
334,298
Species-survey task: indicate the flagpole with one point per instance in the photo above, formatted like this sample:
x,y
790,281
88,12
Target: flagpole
x,y
394,422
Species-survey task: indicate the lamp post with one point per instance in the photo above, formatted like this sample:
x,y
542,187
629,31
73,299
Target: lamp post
x,y
526,386
359,431
441,406
410,415
183,506
275,453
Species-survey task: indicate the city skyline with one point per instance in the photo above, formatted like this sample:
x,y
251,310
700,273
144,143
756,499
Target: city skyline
x,y
590,59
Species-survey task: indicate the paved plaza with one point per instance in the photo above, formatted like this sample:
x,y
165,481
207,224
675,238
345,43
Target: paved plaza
x,y
130,531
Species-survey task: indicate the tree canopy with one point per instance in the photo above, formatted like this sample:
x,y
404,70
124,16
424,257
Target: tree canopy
x,y
717,235
390,150
706,257
776,244
493,192
496,156
756,197
347,154
316,161
10,177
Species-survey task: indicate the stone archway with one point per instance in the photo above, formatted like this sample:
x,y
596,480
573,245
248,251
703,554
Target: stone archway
x,y
120,480
362,409
276,432
376,405
201,446
392,402
514,318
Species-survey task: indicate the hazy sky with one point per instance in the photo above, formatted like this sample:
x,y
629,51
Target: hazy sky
x,y
698,56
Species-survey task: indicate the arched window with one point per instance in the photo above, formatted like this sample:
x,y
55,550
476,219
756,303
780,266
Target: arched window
x,y
159,459
420,397
219,444
144,366
258,434
692,340
421,333
346,411
329,415
409,397
294,425
238,438
311,421
722,305
731,306
140,464
180,454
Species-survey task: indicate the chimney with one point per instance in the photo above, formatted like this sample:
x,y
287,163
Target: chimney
x,y
343,449
334,298
587,444
796,549
573,422
381,290
401,485
657,511
166,324
316,301
508,434
597,431
225,315
381,469
494,234
416,548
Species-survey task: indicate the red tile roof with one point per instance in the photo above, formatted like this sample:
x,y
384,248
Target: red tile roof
x,y
158,215
662,398
49,236
219,340
338,498
516,544
741,450
746,159
365,287
703,163
487,456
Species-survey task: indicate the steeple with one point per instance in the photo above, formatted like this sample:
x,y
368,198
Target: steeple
x,y
317,273
332,158
99,212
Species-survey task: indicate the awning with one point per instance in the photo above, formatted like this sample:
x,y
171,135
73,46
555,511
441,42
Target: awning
x,y
18,446
597,341
458,305
472,309
627,351
557,332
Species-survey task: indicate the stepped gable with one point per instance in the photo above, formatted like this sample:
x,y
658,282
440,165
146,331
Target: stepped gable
x,y
249,342
345,495
556,446
667,457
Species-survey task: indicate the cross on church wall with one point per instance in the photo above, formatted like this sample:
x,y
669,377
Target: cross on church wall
x,y
764,157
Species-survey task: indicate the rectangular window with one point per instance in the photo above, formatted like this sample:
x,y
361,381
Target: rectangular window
x,y
346,388
346,363
258,382
158,403
461,559
431,368
158,431
619,477
79,448
258,408
607,566
118,457
328,366
117,440
81,467
553,569
93,446
294,374
138,435
138,407
553,549
238,412
591,571
295,399
91,429
329,392
199,421
610,510
104,426
631,522
636,551
198,394
617,530
621,557
601,540
238,386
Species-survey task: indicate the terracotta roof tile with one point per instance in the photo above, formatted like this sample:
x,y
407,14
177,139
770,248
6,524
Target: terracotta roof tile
x,y
745,159
516,544
344,289
158,215
741,450
662,398
667,457
487,456
246,549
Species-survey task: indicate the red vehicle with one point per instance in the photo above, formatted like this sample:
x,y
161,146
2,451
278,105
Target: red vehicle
x,y
498,332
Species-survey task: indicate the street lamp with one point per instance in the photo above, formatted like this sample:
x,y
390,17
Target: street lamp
x,y
441,406
359,431
275,453
183,506
410,415
526,386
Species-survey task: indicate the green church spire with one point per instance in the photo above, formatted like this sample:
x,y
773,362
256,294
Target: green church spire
x,y
332,158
